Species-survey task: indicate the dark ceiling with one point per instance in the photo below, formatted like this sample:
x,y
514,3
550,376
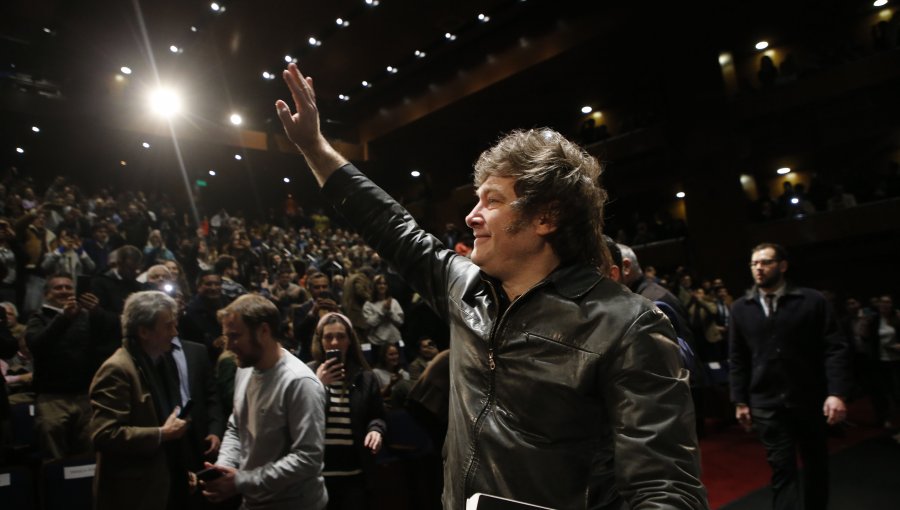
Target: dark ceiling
x,y
534,62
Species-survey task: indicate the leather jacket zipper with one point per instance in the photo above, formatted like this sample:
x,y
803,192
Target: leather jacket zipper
x,y
492,366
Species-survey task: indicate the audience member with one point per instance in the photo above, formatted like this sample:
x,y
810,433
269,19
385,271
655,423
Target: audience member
x,y
354,414
426,351
227,268
199,322
140,453
788,356
273,448
383,315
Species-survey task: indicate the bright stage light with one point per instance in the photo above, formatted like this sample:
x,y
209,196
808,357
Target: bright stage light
x,y
165,102
236,119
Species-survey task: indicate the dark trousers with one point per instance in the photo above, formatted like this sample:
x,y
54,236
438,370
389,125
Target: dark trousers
x,y
784,432
347,492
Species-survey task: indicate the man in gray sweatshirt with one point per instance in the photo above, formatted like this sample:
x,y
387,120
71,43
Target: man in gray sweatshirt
x,y
275,441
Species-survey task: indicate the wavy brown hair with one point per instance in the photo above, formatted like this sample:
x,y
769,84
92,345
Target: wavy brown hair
x,y
554,177
354,358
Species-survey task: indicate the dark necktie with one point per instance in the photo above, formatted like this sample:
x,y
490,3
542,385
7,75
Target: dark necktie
x,y
770,303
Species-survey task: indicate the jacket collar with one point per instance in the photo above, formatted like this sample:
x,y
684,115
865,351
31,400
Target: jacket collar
x,y
575,280
789,290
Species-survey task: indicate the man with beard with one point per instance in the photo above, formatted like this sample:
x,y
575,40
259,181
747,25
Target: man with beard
x,y
787,357
274,445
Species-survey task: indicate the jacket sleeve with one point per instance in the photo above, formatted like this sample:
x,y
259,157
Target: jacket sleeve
x,y
305,400
654,426
41,336
837,354
396,313
110,428
375,407
230,449
421,259
739,359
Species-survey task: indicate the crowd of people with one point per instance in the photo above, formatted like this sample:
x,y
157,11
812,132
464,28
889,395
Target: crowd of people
x,y
261,365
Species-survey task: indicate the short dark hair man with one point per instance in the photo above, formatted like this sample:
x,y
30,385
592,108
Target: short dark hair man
x,y
274,445
227,268
199,322
553,366
788,356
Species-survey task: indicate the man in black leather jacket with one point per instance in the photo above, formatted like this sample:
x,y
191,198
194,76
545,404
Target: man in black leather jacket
x,y
555,369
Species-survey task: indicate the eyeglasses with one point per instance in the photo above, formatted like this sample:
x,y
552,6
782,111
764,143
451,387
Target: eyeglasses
x,y
763,262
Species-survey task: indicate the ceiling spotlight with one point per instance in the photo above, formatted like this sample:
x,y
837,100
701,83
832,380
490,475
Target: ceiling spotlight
x,y
783,171
268,76
761,45
724,59
47,30
680,194
36,129
366,84
165,102
586,109
288,59
193,28
212,173
420,54
20,150
343,97
174,49
341,22
484,19
392,69
449,36
879,3
236,119
145,145
373,3
287,180
215,7
123,163
238,157
415,173
125,70
795,200
314,42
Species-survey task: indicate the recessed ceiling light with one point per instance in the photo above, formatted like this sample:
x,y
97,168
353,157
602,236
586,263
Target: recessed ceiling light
x,y
20,150
314,42
174,49
680,194
366,84
123,163
238,157
268,76
145,145
236,119
341,22
783,171
373,3
415,173
212,173
343,97
392,69
586,109
287,180
125,70
47,30
288,59
761,45
420,54
483,18
795,200
449,36
879,3
215,7
36,129
193,28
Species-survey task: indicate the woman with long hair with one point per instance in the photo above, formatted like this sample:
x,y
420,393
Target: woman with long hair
x,y
383,314
354,416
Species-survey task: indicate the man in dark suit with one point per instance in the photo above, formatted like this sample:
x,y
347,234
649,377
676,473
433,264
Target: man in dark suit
x,y
140,455
788,356
198,385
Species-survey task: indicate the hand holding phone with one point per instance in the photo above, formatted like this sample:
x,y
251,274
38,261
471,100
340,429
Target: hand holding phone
x,y
185,411
209,474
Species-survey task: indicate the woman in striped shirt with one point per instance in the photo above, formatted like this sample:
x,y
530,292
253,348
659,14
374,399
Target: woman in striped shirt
x,y
354,416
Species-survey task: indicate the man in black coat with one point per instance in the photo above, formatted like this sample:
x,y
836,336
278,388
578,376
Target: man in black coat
x,y
788,356
198,385
199,323
114,286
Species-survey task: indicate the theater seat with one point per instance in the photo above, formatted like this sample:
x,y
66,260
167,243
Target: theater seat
x,y
66,484
17,488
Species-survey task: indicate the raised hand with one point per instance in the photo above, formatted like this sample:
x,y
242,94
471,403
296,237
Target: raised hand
x,y
302,127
